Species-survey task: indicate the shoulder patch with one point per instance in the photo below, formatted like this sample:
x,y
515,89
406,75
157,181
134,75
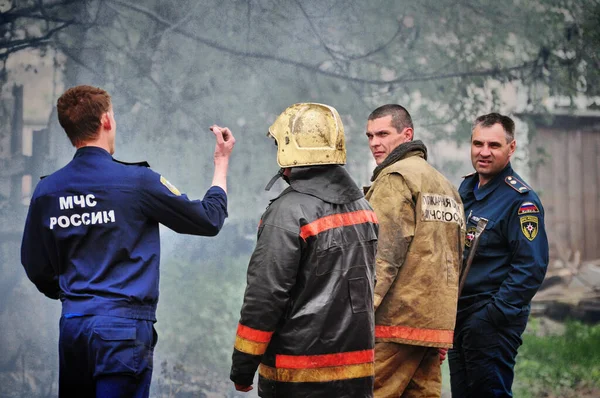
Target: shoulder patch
x,y
516,184
529,226
143,163
528,208
170,186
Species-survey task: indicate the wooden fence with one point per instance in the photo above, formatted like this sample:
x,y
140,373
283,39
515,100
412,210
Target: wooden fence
x,y
565,160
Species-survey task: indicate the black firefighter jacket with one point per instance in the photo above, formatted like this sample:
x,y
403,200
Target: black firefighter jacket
x,y
307,322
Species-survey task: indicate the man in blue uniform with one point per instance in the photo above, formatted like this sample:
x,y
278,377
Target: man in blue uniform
x,y
91,239
508,267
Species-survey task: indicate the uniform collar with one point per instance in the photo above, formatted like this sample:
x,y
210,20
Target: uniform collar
x,y
491,186
402,151
92,150
330,183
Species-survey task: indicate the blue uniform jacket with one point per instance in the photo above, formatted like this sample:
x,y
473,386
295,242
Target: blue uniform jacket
x,y
91,238
512,256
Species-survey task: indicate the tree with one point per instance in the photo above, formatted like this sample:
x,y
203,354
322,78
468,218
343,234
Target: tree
x,y
174,68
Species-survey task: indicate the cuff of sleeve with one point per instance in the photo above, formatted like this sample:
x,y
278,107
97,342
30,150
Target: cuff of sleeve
x,y
243,379
217,189
215,192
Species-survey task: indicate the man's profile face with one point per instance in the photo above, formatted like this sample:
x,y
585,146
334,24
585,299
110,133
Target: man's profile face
x,y
384,138
490,153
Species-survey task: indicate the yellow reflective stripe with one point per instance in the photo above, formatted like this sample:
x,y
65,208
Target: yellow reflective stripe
x,y
250,347
317,374
267,372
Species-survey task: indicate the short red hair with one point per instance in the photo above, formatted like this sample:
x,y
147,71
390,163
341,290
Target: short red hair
x,y
80,111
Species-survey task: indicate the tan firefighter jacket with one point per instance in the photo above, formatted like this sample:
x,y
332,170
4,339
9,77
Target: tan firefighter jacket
x,y
421,236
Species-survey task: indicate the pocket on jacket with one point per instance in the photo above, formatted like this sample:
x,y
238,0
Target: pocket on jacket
x,y
343,258
360,299
489,237
115,349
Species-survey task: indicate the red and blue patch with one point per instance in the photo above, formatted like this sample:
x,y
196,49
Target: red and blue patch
x,y
528,208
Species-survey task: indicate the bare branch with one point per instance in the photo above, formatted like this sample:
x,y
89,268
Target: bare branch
x,y
44,12
23,43
41,17
183,107
4,55
492,72
316,32
122,87
378,49
15,13
248,22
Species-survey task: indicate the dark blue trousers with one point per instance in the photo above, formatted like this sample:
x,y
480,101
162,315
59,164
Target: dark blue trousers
x,y
483,358
105,356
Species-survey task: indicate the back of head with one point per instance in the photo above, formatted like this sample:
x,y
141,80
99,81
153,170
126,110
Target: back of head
x,y
309,134
492,118
400,117
80,111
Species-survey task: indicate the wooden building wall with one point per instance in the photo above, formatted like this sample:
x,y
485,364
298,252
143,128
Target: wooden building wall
x,y
565,165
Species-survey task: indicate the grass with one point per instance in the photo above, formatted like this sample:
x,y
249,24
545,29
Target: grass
x,y
562,365
565,365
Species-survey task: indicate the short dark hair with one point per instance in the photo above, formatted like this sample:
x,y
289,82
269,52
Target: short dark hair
x,y
492,118
80,112
400,117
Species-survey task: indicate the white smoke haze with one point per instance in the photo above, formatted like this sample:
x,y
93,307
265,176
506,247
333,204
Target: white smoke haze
x,y
175,68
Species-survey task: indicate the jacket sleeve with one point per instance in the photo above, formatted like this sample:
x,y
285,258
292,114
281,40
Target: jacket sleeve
x,y
161,201
34,254
392,201
529,245
271,276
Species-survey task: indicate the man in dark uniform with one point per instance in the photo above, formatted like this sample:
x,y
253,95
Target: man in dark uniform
x,y
508,267
307,322
91,240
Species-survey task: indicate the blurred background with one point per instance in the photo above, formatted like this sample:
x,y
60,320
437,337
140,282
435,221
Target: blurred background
x,y
173,68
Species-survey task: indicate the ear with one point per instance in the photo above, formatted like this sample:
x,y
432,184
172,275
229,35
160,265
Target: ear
x,y
409,133
512,147
105,121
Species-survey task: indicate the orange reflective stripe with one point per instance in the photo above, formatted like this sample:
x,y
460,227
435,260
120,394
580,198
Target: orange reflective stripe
x,y
250,347
256,335
319,374
321,361
414,334
337,220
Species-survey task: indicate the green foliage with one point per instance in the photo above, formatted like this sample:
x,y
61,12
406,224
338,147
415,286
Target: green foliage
x,y
559,365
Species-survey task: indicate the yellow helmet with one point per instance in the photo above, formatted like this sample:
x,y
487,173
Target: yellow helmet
x,y
309,134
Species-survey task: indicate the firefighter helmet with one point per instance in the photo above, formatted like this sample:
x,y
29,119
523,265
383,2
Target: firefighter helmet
x,y
309,134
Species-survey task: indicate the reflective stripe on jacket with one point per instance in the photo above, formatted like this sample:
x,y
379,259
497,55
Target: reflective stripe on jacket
x,y
307,316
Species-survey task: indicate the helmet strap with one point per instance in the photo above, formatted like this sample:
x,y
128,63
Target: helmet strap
x,y
274,179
